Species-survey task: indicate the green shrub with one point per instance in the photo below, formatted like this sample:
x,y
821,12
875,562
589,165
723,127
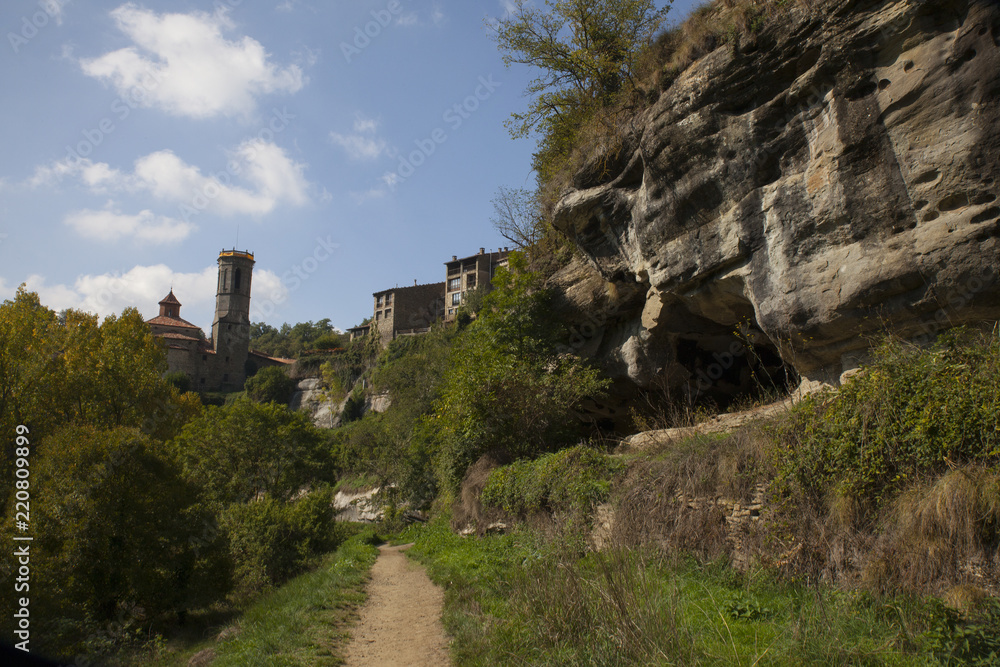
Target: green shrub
x,y
271,384
573,480
271,540
913,412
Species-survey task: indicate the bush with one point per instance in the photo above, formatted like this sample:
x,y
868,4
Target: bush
x,y
180,380
271,384
913,412
573,481
271,540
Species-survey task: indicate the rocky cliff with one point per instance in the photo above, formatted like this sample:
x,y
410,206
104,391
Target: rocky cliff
x,y
831,175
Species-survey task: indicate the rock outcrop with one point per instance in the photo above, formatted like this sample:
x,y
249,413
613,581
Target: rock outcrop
x,y
832,175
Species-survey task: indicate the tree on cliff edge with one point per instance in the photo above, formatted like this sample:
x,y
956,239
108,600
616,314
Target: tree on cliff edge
x,y
586,49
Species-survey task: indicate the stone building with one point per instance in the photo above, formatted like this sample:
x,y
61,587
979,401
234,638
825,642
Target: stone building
x,y
403,311
470,273
224,362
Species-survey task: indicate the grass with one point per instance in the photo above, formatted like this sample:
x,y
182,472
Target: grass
x,y
516,599
304,622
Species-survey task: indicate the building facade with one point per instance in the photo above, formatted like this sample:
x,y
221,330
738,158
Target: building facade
x,y
403,311
224,362
468,274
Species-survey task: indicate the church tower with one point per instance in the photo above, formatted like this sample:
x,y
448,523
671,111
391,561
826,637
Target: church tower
x,y
231,328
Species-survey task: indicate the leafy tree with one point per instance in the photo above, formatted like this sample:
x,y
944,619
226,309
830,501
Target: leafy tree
x,y
244,449
586,50
271,384
507,387
119,529
291,340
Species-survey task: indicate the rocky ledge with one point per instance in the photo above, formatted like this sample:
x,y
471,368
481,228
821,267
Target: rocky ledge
x,y
829,177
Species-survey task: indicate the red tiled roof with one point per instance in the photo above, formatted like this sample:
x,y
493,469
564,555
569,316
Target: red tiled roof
x,y
170,300
278,359
165,321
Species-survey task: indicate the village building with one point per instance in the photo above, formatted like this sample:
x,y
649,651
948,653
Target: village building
x,y
468,274
224,362
407,311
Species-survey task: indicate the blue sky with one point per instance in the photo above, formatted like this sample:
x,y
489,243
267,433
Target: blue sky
x,y
141,138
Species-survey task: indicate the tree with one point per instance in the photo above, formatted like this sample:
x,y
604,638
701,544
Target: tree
x,y
120,528
507,386
517,216
586,50
271,384
244,449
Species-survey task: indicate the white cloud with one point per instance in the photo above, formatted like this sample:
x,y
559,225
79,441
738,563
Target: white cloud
x,y
112,225
182,64
407,19
391,179
285,6
437,15
142,287
269,176
364,144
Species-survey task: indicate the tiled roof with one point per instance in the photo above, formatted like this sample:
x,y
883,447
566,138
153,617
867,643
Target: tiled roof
x,y
406,287
170,300
163,320
176,336
278,359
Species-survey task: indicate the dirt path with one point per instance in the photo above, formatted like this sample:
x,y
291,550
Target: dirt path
x,y
401,622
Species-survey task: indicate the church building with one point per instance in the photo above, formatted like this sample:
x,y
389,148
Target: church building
x,y
226,361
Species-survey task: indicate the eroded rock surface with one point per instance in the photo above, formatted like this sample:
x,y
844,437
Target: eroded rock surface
x,y
831,176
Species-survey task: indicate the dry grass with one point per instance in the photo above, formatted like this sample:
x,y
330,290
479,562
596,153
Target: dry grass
x,y
679,496
942,533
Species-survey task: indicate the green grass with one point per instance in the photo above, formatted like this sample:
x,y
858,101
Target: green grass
x,y
304,622
517,599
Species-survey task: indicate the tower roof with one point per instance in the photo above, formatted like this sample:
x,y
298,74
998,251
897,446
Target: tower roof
x,y
245,254
170,299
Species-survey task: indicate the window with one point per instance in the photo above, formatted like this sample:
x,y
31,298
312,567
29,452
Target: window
x,y
388,313
456,298
378,315
236,279
451,311
204,357
225,377
201,381
470,280
388,299
454,284
379,302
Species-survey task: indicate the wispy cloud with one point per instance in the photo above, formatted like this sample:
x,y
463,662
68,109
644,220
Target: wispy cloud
x,y
110,224
364,143
269,178
183,64
142,287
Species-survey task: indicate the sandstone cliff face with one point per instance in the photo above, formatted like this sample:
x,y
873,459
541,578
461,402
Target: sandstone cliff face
x,y
833,175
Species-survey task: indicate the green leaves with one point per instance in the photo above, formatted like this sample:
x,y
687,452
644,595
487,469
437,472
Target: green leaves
x,y
244,449
913,412
507,388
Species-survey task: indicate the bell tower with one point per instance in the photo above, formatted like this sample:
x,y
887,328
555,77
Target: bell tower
x,y
231,328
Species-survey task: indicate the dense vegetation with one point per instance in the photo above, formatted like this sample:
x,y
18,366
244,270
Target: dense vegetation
x,y
290,341
145,506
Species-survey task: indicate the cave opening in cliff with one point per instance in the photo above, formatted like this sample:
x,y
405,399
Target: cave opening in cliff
x,y
734,368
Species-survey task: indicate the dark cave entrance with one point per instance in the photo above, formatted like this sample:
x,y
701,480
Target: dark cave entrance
x,y
733,369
